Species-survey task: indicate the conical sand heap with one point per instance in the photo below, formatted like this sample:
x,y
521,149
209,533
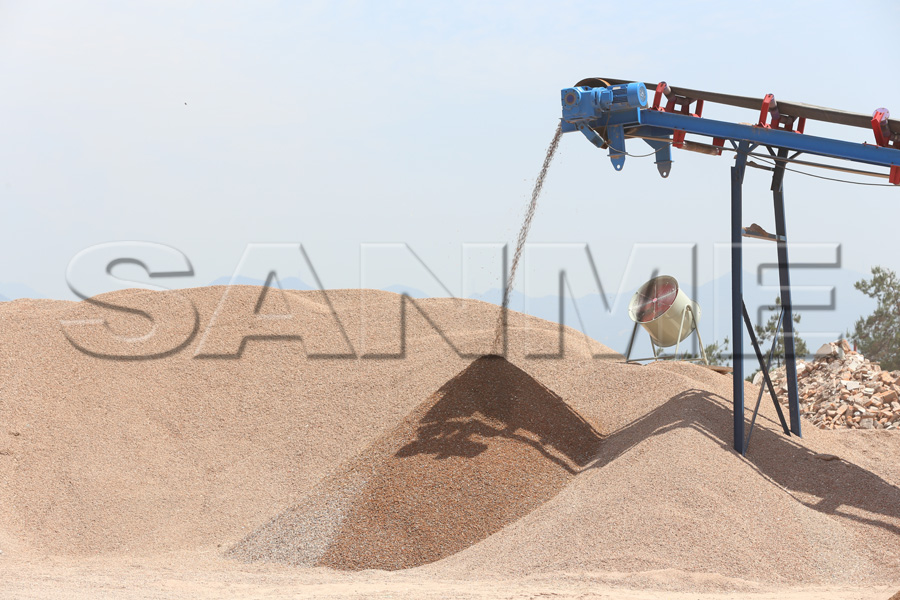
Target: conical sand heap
x,y
488,447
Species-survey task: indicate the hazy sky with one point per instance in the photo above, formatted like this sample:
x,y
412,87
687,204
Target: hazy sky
x,y
208,126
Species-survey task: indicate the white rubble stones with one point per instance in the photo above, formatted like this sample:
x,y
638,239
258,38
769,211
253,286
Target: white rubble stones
x,y
841,389
829,350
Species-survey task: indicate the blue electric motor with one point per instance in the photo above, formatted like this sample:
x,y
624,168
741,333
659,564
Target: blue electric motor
x,y
602,113
588,102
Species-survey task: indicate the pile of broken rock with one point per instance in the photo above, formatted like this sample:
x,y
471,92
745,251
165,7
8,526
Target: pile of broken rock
x,y
841,388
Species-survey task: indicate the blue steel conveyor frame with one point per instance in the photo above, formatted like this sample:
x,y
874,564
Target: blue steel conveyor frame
x,y
608,111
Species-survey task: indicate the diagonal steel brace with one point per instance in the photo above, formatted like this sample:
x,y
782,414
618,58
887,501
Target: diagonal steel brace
x,y
764,366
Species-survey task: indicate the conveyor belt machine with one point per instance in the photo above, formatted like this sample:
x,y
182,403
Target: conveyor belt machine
x,y
610,111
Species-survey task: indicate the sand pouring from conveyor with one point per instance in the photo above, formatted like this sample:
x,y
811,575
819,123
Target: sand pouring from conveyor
x,y
608,112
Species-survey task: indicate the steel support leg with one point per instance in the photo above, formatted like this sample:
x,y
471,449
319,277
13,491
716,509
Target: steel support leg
x,y
784,276
737,292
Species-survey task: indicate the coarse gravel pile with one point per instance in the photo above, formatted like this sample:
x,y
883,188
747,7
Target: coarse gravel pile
x,y
488,447
299,428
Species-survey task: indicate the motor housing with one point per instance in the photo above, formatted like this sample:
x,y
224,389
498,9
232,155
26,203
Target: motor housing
x,y
588,103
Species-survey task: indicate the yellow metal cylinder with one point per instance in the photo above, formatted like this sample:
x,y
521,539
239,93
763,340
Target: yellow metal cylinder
x,y
664,310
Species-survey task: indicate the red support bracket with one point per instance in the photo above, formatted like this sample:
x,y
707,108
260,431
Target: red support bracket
x,y
883,135
662,89
777,120
682,104
886,139
767,107
676,103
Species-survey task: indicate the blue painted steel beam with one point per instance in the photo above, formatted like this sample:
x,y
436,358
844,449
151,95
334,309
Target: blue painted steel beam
x,y
784,276
778,138
737,292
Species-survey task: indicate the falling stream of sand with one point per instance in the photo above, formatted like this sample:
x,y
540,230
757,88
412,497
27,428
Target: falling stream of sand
x,y
497,347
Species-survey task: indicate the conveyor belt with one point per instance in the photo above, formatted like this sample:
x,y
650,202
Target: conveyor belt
x,y
794,109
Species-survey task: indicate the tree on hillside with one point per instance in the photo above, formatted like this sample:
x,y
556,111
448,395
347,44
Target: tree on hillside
x,y
765,334
878,335
716,353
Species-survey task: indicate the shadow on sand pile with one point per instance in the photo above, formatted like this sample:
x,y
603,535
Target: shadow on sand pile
x,y
667,492
487,448
822,482
483,476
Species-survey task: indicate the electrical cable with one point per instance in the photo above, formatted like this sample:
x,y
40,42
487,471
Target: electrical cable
x,y
634,155
773,164
610,146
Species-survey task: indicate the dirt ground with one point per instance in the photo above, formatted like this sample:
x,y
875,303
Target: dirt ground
x,y
201,576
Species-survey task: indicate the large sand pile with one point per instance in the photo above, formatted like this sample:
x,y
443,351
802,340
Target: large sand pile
x,y
103,455
412,455
488,447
